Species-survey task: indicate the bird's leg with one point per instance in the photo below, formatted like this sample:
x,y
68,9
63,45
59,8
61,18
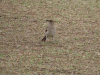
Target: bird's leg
x,y
53,39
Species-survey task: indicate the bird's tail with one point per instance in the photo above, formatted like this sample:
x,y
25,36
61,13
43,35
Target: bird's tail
x,y
44,39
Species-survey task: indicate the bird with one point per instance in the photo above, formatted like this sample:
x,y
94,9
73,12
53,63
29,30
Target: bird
x,y
50,30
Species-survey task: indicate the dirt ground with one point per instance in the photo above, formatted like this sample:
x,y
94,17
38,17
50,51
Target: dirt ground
x,y
76,50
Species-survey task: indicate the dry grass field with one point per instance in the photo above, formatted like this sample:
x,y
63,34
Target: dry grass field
x,y
76,50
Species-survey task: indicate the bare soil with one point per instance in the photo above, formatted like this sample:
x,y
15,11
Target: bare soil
x,y
76,50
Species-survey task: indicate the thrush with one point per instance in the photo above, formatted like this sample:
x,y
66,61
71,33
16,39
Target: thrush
x,y
50,30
